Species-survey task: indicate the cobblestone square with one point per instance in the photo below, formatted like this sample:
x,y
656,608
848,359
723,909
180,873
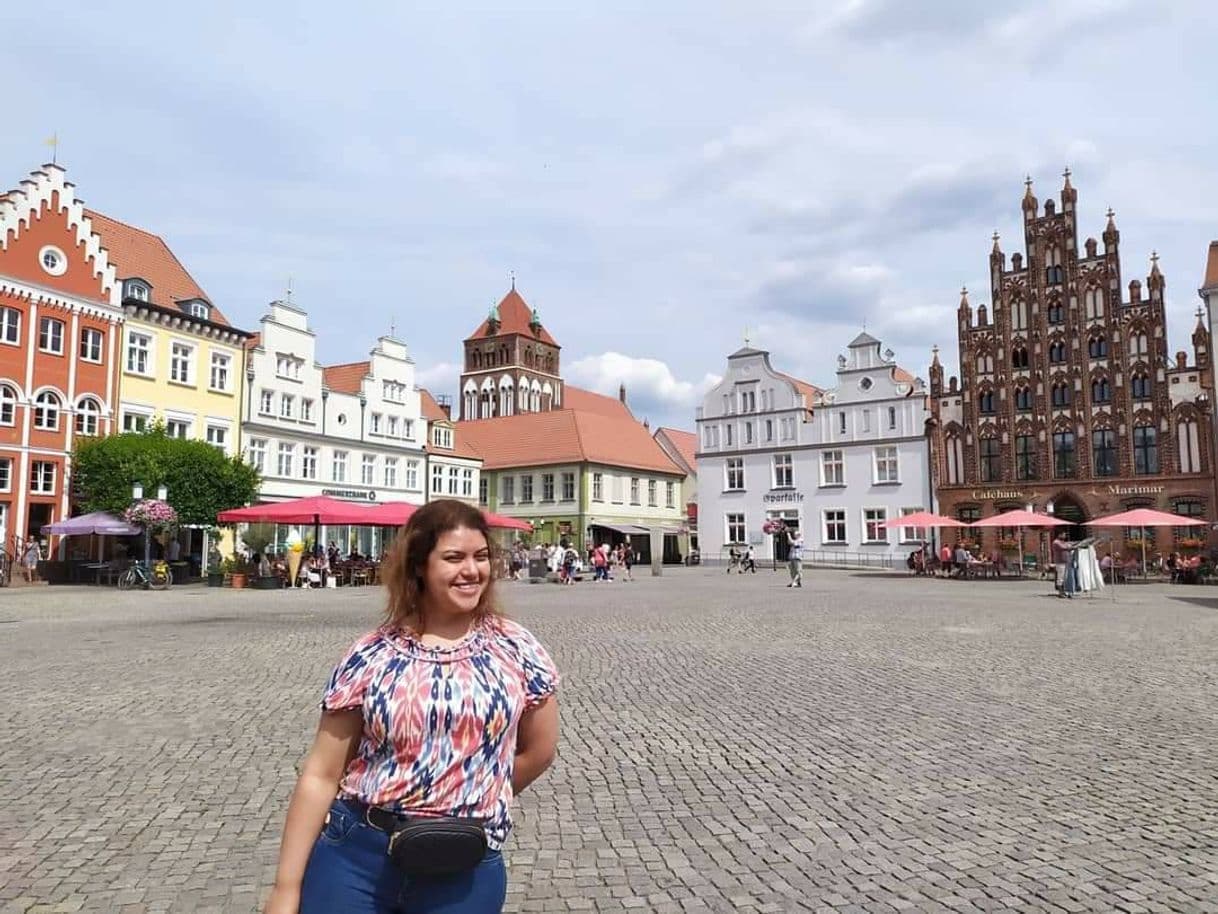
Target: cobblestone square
x,y
868,743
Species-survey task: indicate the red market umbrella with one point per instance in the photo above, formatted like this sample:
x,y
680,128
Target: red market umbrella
x,y
391,513
923,519
507,523
315,510
1146,517
1021,518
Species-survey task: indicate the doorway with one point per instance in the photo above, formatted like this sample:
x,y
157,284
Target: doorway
x,y
39,517
1067,507
780,545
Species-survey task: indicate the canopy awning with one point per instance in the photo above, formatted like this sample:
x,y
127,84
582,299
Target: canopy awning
x,y
627,529
317,509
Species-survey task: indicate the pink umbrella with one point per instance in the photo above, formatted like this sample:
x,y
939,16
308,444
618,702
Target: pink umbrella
x,y
317,509
1146,517
1021,518
923,519
506,523
391,513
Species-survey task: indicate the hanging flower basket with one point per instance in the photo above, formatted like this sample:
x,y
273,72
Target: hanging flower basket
x,y
1008,544
155,516
1191,542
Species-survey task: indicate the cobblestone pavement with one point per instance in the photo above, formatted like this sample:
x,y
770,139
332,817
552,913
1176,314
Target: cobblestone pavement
x,y
869,743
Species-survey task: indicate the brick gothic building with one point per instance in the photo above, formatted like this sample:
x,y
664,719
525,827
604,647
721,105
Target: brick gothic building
x,y
1068,399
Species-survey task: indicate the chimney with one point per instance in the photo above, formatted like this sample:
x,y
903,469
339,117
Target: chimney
x,y
621,392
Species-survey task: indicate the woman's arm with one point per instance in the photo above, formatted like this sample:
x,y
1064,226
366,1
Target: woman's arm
x,y
337,738
536,743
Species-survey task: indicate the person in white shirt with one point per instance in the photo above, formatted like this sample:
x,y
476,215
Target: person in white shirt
x,y
795,558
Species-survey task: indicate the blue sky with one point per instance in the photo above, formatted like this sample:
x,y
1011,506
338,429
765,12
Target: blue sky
x,y
660,177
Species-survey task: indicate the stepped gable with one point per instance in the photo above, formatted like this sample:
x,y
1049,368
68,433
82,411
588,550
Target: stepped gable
x,y
346,378
515,316
139,254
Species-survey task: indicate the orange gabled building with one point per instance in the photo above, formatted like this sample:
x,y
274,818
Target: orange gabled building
x,y
60,316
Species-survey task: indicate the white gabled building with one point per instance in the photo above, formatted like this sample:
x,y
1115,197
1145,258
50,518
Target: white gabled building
x,y
834,463
353,431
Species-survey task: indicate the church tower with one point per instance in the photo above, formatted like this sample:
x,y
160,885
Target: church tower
x,y
511,363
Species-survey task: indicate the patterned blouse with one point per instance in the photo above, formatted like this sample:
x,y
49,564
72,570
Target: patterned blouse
x,y
440,722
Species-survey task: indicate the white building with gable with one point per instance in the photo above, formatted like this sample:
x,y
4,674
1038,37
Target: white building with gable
x,y
835,464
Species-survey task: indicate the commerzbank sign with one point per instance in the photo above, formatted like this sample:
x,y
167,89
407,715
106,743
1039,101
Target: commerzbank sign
x,y
351,494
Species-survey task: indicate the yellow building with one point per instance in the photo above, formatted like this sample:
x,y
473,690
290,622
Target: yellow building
x,y
181,362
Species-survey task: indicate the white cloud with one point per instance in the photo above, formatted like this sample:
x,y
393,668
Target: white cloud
x,y
438,378
651,386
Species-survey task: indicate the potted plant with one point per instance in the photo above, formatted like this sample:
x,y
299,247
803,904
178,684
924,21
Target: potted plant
x,y
235,568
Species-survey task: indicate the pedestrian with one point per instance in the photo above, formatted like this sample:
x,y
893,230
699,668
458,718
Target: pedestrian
x,y
430,725
628,561
946,560
30,559
1060,549
750,561
795,558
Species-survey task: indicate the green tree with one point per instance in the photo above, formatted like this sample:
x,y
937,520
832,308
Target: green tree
x,y
200,479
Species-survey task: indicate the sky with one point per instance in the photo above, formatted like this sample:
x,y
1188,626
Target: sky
x,y
665,180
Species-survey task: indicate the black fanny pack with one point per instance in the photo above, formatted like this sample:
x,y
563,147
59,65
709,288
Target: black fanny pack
x,y
428,846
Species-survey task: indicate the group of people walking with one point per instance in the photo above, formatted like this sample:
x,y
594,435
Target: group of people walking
x,y
744,560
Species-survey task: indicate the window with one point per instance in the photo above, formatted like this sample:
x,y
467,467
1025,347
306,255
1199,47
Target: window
x,y
913,534
266,402
412,474
833,527
1101,391
832,468
8,405
1057,352
1019,357
1063,454
1139,386
568,487
442,436
866,420
42,477
308,462
1145,450
437,482
286,459
338,466
1097,348
256,454
367,470
10,326
1189,507
306,410
136,290
727,434
1023,399
452,480
547,487
748,433
748,401
526,488
892,417
200,309
374,424
1138,346
968,514
467,482
985,363
598,486
990,463
985,402
634,490
1188,446
90,345
670,494
1103,452
221,365
139,353
484,492
287,366
6,475
393,391
1061,395
769,429
841,422
783,471
391,472
46,411
1019,315
88,417
874,530
1057,313
735,474
217,437
886,465
1093,304
954,459
507,495
50,335
1025,457
181,363
177,428
735,528
287,406
393,426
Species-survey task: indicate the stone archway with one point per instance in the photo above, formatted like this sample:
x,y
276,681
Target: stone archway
x,y
1067,507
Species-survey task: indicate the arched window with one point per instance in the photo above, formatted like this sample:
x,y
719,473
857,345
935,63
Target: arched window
x,y
1056,313
505,399
954,457
1053,267
989,461
486,404
522,401
46,411
1061,395
535,398
1101,391
1145,451
1093,304
1097,347
1023,399
985,402
1057,352
471,404
1139,386
985,363
1019,314
8,405
1019,357
1189,445
1138,346
88,417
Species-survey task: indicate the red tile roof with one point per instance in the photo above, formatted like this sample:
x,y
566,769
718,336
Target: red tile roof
x,y
345,379
566,436
514,317
810,391
900,374
1211,268
589,401
433,412
136,253
685,444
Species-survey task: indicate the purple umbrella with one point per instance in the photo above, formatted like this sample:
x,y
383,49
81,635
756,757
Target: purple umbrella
x,y
98,522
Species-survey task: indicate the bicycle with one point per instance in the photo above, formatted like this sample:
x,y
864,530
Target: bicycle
x,y
139,576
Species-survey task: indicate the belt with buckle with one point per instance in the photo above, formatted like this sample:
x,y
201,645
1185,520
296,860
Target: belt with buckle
x,y
380,818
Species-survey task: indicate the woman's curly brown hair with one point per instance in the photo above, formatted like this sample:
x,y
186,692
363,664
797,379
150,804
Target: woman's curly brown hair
x,y
405,566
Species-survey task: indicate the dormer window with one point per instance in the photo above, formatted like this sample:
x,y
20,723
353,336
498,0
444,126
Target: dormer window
x,y
442,436
137,290
200,309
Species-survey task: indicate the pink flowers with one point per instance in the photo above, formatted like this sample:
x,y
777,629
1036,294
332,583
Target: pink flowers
x,y
153,514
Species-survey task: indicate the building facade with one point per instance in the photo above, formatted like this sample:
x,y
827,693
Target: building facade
x,y
682,449
835,464
454,467
1068,400
60,326
353,431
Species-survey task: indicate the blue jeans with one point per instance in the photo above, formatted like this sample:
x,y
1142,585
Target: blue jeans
x,y
349,871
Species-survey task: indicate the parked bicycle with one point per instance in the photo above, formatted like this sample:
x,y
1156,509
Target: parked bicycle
x,y
138,575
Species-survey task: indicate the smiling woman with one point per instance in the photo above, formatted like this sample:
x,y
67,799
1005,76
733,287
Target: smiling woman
x,y
430,725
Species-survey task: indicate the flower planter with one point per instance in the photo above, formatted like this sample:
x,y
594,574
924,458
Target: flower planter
x,y
238,580
215,579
